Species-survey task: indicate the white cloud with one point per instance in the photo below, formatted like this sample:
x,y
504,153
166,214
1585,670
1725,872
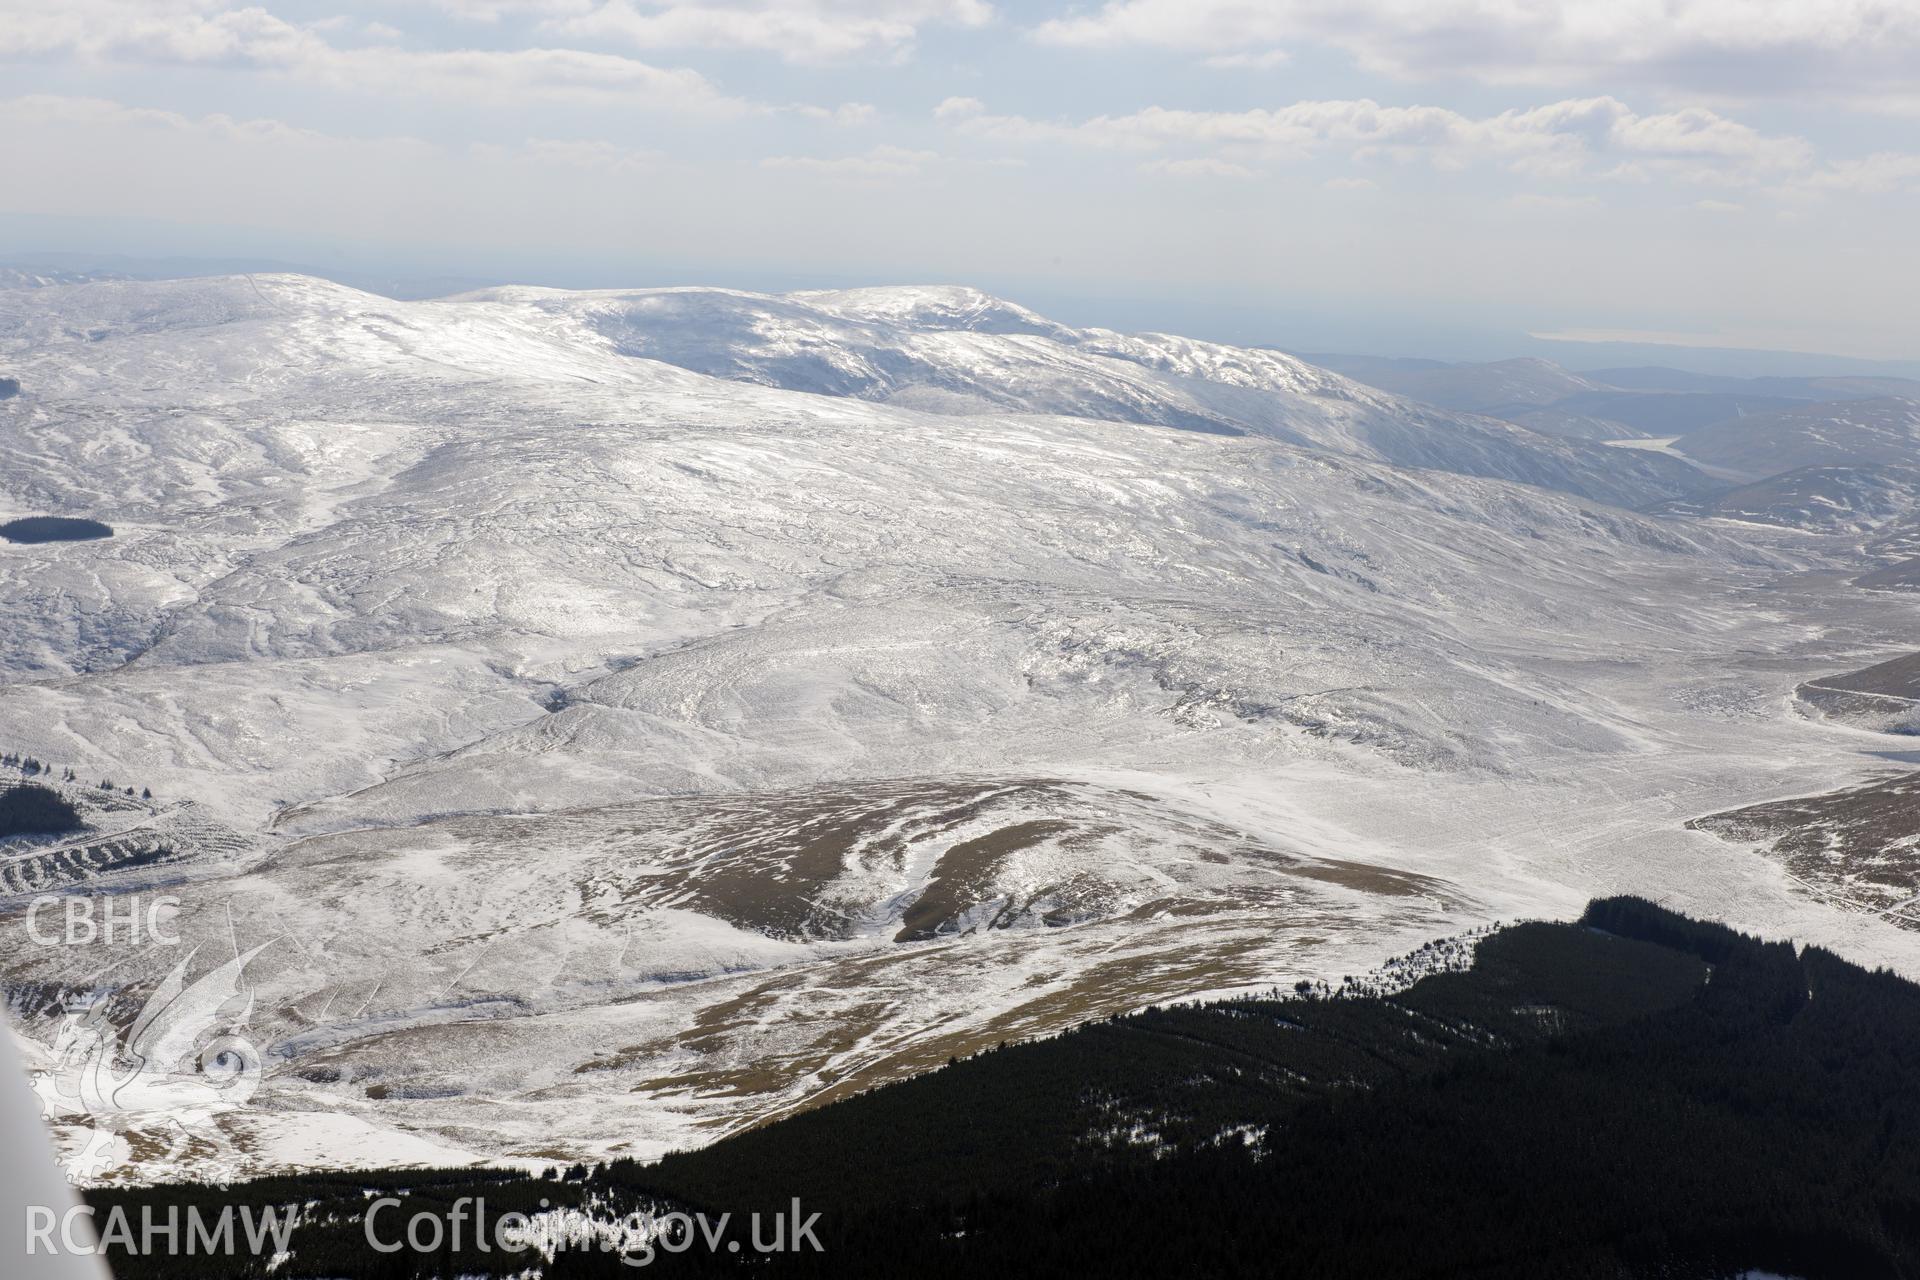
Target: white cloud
x,y
1264,61
1718,206
160,31
193,32
37,110
1351,184
1860,50
580,153
174,164
218,170
1544,200
1197,167
117,121
1881,172
1562,139
494,10
797,30
847,115
560,75
959,109
880,162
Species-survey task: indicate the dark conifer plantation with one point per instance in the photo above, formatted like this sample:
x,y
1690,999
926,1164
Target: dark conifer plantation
x,y
54,529
1636,1095
31,809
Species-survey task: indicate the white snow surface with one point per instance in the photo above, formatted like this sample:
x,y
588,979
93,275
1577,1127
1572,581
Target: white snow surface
x,y
630,715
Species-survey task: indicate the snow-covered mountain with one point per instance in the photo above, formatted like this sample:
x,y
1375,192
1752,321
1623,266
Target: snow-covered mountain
x,y
1858,500
1884,697
624,715
1861,483
1879,432
1902,575
959,351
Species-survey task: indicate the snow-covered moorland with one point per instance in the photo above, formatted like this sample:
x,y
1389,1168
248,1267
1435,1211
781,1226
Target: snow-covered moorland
x,y
623,716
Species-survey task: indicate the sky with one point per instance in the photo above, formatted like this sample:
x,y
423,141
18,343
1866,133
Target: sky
x,y
1397,176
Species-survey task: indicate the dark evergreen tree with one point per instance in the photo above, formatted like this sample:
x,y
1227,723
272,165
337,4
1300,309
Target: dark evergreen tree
x,y
31,809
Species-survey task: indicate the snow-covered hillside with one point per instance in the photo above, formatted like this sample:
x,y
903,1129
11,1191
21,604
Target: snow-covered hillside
x,y
623,715
960,351
1860,501
1875,433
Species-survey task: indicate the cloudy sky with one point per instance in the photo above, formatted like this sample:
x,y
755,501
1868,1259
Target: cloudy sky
x,y
1717,172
